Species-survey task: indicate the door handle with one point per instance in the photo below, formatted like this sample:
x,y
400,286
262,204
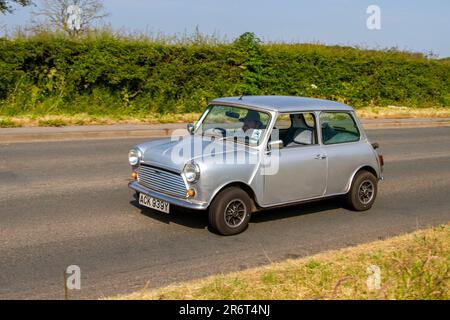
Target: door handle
x,y
321,157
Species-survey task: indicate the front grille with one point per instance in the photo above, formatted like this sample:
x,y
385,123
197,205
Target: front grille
x,y
161,180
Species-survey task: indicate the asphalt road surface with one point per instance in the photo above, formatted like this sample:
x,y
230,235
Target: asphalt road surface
x,y
67,203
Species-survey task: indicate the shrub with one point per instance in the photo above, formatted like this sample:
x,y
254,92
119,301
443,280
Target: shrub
x,y
105,74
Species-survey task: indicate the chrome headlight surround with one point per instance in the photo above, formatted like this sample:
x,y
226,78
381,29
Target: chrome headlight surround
x,y
191,172
135,157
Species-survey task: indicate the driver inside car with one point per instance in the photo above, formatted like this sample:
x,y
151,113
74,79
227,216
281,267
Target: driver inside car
x,y
252,122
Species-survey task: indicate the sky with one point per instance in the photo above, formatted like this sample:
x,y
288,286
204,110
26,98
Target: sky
x,y
414,25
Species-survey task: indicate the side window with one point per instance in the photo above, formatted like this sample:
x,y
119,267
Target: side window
x,y
310,120
338,127
297,129
283,122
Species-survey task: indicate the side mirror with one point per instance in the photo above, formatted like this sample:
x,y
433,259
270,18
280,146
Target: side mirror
x,y
190,128
277,144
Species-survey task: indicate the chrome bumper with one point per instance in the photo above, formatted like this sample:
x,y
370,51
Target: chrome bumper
x,y
185,203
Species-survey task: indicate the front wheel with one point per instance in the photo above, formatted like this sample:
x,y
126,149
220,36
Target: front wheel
x,y
363,191
230,211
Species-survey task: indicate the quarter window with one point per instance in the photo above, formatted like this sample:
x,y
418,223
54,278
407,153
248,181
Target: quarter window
x,y
338,127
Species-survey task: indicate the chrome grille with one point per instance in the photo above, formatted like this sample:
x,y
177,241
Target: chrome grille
x,y
161,180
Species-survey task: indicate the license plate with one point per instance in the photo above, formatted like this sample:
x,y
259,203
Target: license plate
x,y
154,203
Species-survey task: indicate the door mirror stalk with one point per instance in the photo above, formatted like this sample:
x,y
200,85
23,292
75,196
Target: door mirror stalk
x,y
277,144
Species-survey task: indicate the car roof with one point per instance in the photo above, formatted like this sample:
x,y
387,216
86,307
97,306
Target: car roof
x,y
284,103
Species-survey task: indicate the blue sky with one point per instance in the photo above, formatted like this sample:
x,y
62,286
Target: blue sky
x,y
413,25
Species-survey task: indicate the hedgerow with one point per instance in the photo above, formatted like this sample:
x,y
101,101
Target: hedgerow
x,y
108,74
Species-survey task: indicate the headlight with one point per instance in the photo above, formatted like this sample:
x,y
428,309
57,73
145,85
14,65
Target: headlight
x,y
134,157
192,172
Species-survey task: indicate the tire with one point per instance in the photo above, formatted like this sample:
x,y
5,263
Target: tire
x,y
363,191
230,211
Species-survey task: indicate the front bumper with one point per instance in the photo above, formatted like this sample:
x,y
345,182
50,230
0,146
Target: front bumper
x,y
185,203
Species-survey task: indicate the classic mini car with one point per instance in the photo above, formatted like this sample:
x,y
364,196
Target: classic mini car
x,y
250,153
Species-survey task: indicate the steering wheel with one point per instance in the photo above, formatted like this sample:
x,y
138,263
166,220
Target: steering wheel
x,y
222,131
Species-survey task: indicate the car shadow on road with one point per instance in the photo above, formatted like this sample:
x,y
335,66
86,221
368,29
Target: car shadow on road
x,y
296,210
199,219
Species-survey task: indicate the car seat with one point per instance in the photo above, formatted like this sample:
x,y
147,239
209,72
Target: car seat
x,y
299,132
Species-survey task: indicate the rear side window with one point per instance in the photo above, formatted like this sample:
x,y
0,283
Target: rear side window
x,y
338,127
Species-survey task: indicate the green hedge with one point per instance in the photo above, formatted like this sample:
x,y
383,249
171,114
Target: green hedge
x,y
106,74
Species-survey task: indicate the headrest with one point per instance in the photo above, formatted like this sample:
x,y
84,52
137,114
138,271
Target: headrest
x,y
303,137
298,121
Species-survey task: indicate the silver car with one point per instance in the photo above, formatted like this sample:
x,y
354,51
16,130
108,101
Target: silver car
x,y
250,153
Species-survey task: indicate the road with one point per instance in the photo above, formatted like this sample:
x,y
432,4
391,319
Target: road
x,y
67,203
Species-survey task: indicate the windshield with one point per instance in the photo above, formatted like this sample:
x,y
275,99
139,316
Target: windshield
x,y
234,123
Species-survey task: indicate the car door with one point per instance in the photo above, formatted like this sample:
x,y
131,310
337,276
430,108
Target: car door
x,y
341,139
302,167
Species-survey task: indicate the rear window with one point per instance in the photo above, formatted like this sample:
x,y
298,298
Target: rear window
x,y
338,127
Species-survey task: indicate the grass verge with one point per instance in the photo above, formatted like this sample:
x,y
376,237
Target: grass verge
x,y
394,112
412,266
27,120
85,119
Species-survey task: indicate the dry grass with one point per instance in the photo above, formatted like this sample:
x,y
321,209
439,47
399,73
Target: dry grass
x,y
413,266
394,112
85,119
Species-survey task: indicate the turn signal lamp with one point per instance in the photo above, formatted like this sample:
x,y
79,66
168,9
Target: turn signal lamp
x,y
191,193
381,160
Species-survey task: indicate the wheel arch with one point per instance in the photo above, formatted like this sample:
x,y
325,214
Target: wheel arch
x,y
241,185
362,168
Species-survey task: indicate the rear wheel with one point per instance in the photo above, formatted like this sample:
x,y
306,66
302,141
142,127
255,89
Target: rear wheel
x,y
230,211
363,191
